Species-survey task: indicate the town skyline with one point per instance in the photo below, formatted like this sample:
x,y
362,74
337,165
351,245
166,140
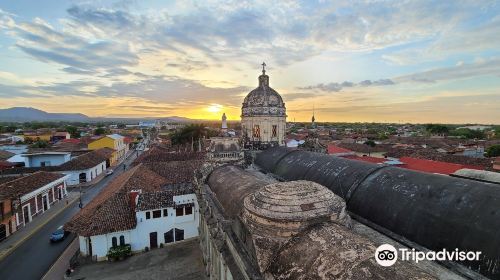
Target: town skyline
x,y
384,62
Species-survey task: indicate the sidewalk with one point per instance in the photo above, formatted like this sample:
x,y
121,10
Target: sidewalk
x,y
18,237
58,269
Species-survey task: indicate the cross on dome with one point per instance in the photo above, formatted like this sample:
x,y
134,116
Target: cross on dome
x,y
263,68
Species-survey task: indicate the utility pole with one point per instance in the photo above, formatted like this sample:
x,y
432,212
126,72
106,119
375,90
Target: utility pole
x,y
80,204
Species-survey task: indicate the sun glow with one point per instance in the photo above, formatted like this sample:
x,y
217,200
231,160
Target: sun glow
x,y
214,108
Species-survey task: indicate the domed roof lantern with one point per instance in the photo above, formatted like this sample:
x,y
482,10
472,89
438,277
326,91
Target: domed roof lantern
x,y
263,79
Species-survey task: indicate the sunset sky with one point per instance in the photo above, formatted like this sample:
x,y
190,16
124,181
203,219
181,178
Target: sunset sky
x,y
373,61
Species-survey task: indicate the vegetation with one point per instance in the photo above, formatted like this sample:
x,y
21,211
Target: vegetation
x,y
493,151
73,131
119,252
192,132
100,131
370,143
39,144
8,129
468,133
436,128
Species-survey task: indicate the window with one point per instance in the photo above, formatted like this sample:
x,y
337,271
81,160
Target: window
x,y
122,240
165,213
189,210
275,131
156,214
114,242
256,131
179,212
148,215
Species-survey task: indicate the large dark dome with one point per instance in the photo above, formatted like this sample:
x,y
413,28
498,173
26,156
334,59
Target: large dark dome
x,y
263,100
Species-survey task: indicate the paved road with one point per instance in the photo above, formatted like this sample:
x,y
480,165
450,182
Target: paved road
x,y
35,256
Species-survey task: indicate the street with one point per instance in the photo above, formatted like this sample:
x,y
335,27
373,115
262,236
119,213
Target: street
x,y
35,256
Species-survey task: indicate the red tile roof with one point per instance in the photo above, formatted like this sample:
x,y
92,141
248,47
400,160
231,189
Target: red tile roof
x,y
26,184
71,140
110,210
87,160
367,159
432,166
127,140
332,149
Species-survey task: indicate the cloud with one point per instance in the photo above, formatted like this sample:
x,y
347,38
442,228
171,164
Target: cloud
x,y
336,87
460,71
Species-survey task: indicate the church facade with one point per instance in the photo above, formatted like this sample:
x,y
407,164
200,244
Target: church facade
x,y
263,116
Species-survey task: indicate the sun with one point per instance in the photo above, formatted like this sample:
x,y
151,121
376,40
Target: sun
x,y
214,108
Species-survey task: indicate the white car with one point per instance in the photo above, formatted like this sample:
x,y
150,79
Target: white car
x,y
109,172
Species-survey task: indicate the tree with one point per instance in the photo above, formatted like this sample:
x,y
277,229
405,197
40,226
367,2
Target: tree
x,y
121,126
99,131
370,143
73,131
40,144
436,128
468,133
190,133
493,151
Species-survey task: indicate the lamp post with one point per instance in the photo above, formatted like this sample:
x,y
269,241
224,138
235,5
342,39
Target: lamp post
x,y
80,204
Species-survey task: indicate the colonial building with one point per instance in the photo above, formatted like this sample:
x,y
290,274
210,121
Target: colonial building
x,y
86,167
47,158
112,141
150,205
25,197
263,116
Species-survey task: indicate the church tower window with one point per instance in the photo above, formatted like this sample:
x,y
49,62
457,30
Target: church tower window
x,y
256,131
275,130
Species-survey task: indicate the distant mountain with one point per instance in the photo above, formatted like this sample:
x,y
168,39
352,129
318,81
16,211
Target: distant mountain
x,y
176,119
25,114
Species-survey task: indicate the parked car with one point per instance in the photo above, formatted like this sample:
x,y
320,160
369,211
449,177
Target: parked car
x,y
59,235
109,172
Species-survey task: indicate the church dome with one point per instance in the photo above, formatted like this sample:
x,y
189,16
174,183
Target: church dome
x,y
286,208
263,100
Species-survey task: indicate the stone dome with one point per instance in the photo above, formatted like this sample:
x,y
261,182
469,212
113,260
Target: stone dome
x,y
263,100
284,209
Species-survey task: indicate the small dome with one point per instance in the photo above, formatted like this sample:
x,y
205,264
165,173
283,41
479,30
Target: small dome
x,y
263,100
284,209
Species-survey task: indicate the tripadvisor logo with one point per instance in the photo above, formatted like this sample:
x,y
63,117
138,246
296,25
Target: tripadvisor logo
x,y
387,255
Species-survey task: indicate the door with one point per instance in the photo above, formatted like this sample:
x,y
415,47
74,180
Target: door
x,y
82,178
3,232
26,214
169,236
90,247
153,240
59,193
45,203
179,234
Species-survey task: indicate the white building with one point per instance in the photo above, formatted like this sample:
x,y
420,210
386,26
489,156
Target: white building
x,y
86,167
160,219
263,116
140,208
46,159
